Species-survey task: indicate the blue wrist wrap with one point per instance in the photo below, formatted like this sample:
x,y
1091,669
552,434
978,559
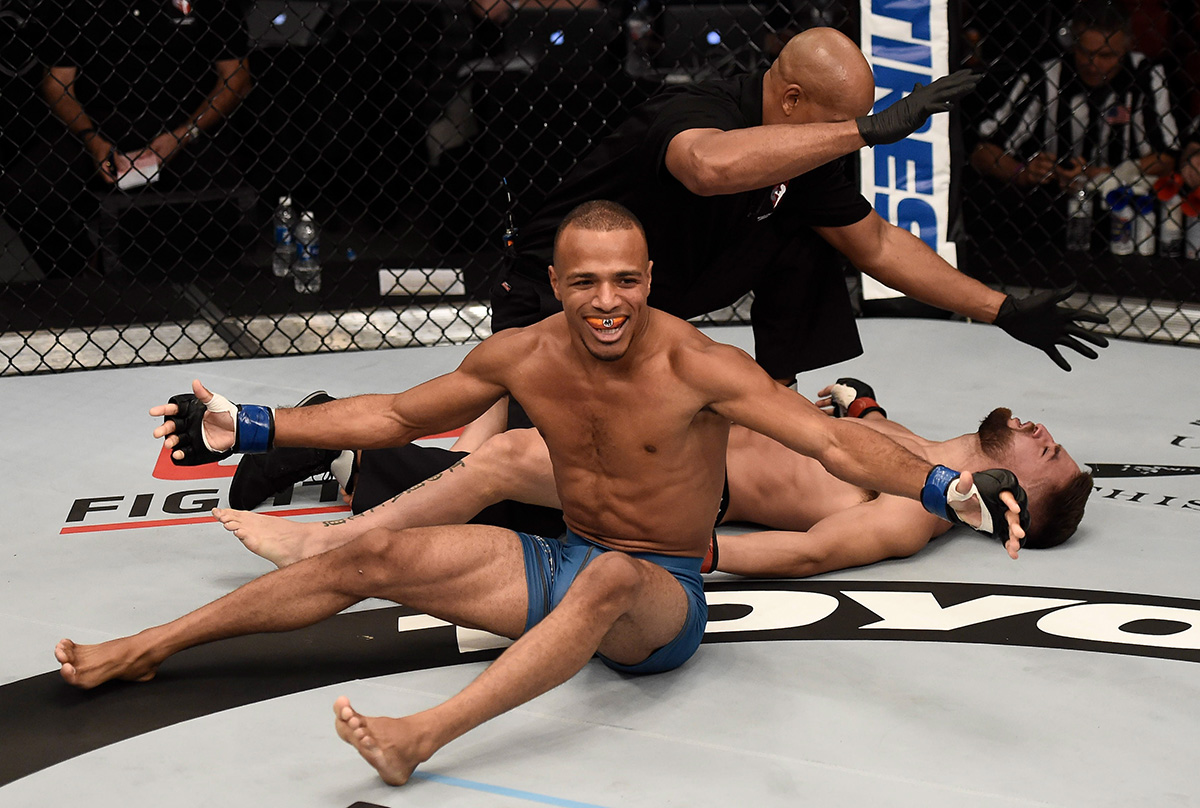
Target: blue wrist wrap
x,y
933,494
255,428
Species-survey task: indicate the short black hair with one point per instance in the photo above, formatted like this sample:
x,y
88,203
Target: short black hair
x,y
1104,16
1061,512
598,215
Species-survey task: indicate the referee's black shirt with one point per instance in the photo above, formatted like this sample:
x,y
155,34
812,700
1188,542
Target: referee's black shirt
x,y
709,251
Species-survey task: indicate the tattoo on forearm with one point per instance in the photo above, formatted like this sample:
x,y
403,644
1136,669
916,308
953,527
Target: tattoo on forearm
x,y
407,491
432,479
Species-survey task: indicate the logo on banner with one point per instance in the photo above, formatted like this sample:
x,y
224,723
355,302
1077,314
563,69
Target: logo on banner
x,y
907,43
192,505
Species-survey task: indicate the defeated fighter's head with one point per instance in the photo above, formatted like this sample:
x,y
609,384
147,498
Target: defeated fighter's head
x,y
1057,488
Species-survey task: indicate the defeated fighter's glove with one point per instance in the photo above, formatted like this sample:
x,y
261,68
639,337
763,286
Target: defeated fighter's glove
x,y
939,493
908,114
1039,321
853,398
253,428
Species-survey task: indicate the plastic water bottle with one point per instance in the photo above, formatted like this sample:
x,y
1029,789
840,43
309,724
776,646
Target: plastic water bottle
x,y
307,270
285,248
1079,216
1120,204
1170,227
1144,224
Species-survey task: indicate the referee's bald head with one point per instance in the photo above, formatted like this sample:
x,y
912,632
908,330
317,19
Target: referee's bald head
x,y
820,76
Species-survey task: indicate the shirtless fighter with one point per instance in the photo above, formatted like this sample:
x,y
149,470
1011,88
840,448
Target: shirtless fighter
x,y
820,522
639,494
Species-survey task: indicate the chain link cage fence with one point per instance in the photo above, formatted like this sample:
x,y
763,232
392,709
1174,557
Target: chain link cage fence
x,y
168,168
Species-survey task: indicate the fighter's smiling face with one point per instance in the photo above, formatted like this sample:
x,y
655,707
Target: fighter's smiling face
x,y
602,278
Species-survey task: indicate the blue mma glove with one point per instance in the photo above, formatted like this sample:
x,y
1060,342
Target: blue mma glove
x,y
939,492
253,428
853,398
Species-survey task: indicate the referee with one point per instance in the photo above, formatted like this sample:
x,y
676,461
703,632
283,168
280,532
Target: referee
x,y
742,185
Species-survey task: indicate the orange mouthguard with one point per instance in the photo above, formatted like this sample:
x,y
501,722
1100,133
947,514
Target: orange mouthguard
x,y
606,322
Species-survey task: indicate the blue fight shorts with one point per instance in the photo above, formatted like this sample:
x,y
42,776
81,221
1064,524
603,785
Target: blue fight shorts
x,y
551,566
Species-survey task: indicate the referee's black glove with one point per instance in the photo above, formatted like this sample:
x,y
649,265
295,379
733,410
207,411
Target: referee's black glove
x,y
908,114
1039,321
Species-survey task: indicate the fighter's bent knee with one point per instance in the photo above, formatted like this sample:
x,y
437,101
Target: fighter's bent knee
x,y
515,450
612,579
376,544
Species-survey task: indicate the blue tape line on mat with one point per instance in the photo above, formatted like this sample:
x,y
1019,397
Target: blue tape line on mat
x,y
933,494
502,791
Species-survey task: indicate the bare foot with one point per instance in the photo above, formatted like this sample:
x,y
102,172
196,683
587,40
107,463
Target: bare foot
x,y
280,541
388,744
86,666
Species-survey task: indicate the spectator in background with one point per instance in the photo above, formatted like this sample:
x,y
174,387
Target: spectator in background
x,y
1081,114
137,87
1084,113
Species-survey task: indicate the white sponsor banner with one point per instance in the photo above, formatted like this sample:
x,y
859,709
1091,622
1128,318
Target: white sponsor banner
x,y
908,42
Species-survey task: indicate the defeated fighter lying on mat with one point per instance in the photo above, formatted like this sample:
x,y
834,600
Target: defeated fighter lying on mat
x,y
821,523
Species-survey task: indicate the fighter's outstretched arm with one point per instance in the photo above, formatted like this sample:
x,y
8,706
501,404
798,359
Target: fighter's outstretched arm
x,y
743,393
203,427
887,527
